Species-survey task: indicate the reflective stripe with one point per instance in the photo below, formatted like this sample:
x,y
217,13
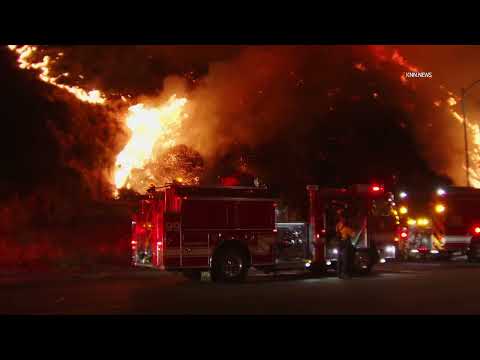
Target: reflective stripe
x,y
457,239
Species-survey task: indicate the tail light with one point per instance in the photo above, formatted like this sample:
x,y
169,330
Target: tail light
x,y
376,188
476,230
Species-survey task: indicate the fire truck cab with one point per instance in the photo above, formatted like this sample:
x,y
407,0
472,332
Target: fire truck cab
x,y
190,229
370,212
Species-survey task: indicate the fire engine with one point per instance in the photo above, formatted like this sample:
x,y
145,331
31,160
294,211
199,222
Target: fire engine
x,y
451,225
226,230
369,208
456,218
416,226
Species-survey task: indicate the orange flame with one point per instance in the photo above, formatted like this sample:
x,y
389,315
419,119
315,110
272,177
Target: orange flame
x,y
25,62
149,126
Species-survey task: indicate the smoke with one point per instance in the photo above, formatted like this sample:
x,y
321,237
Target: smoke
x,y
298,114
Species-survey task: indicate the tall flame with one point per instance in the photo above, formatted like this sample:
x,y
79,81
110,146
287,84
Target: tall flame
x,y
149,126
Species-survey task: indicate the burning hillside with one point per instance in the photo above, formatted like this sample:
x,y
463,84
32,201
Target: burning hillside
x,y
81,125
211,99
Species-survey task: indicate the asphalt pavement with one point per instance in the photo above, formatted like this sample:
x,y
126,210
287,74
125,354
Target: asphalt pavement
x,y
392,288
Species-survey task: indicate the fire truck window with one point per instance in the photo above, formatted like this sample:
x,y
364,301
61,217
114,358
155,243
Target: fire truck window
x,y
205,214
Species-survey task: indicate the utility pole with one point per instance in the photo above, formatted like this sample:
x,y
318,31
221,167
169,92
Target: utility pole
x,y
465,134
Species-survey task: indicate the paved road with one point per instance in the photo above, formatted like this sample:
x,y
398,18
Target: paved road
x,y
414,288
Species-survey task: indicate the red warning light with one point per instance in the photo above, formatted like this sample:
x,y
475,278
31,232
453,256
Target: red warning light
x,y
403,235
476,230
376,188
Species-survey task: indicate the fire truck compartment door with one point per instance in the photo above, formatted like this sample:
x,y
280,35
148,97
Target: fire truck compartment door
x,y
291,242
381,229
195,248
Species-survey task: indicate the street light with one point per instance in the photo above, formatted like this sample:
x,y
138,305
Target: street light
x,y
467,161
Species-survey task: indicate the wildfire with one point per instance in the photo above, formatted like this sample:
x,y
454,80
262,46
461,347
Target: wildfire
x,y
25,61
150,127
451,101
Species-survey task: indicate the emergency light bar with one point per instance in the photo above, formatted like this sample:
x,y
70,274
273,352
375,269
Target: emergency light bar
x,y
368,188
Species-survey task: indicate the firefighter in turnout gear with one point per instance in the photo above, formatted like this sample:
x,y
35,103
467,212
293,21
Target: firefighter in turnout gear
x,y
345,234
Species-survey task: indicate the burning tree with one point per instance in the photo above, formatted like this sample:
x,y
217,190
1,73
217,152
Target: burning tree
x,y
179,163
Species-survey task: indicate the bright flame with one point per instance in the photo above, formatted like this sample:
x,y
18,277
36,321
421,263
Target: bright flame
x,y
25,62
149,126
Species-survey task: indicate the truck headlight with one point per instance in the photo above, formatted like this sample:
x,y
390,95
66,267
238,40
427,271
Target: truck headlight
x,y
390,248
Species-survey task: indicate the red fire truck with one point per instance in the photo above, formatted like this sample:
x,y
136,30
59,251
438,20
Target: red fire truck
x,y
226,230
456,221
449,225
371,214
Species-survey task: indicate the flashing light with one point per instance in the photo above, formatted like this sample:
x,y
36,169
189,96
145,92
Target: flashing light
x,y
133,242
308,264
414,251
403,235
434,251
439,208
423,221
179,179
328,263
476,230
411,222
318,236
275,230
396,238
441,192
383,261
375,188
403,195
335,251
403,210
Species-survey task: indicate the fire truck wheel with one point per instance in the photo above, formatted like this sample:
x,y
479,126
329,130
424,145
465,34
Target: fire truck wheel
x,y
193,275
229,265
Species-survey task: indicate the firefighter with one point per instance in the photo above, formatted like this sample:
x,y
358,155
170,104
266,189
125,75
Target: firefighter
x,y
346,251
